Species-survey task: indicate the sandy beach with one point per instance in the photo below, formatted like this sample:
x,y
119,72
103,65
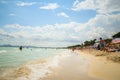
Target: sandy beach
x,y
90,67
73,67
104,65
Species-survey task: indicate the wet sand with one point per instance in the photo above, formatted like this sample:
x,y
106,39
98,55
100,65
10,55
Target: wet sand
x,y
74,67
85,67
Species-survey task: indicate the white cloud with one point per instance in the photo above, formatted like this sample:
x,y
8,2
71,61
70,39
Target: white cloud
x,y
63,34
102,6
16,26
2,31
106,21
96,32
51,6
87,4
25,3
103,25
48,34
3,2
5,35
63,14
12,14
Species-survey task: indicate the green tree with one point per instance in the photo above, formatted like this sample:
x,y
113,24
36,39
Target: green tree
x,y
91,42
74,46
117,35
108,40
87,43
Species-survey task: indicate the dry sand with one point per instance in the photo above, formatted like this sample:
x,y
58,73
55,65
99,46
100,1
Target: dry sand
x,y
104,65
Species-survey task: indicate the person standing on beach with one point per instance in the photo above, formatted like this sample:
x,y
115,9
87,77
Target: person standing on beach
x,y
102,44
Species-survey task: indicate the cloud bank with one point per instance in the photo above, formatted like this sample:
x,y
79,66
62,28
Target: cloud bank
x,y
62,34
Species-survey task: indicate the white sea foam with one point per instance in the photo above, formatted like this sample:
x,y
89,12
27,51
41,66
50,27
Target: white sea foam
x,y
41,69
3,51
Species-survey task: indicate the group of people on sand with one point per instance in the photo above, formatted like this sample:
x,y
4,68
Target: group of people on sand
x,y
107,47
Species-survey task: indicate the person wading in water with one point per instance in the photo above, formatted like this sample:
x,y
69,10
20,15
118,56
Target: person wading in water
x,y
20,48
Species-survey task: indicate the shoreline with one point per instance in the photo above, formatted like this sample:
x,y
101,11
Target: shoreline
x,y
101,67
70,65
73,67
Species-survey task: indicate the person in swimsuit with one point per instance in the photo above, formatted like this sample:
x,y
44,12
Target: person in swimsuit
x,y
102,44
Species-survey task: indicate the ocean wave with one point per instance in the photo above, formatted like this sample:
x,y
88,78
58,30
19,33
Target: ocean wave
x,y
3,51
38,69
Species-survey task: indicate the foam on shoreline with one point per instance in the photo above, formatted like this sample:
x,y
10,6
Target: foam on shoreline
x,y
3,51
36,70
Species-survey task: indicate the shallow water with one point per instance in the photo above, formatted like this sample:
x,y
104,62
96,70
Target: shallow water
x,y
12,58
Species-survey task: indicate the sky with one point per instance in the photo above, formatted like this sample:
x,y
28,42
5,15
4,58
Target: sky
x,y
57,23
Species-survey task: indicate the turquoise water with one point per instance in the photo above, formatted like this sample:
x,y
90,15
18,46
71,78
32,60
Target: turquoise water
x,y
13,57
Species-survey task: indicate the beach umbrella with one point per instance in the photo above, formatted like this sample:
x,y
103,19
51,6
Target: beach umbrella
x,y
116,40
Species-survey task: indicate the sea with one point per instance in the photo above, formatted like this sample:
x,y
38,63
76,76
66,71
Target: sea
x,y
35,62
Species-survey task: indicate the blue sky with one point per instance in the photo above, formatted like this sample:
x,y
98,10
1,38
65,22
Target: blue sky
x,y
34,16
57,22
